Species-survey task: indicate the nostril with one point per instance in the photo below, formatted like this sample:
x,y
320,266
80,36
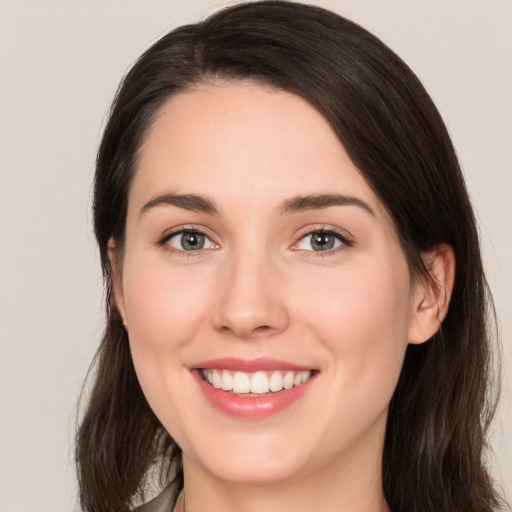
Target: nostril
x,y
263,328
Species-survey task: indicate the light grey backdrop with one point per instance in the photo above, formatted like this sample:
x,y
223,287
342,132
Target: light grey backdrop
x,y
60,63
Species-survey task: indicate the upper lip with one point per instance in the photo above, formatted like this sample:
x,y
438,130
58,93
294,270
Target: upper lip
x,y
249,365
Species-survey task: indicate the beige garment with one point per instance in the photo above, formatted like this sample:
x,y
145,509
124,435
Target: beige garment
x,y
162,503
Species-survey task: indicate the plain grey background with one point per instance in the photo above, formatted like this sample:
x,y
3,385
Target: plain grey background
x,y
60,64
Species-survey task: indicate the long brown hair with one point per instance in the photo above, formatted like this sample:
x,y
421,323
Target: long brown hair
x,y
444,401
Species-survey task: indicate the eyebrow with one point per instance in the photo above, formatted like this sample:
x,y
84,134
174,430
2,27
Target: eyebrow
x,y
199,203
193,202
319,201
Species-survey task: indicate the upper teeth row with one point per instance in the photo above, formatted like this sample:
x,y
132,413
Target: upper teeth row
x,y
259,382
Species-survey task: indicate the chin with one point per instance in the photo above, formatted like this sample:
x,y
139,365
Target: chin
x,y
254,462
248,472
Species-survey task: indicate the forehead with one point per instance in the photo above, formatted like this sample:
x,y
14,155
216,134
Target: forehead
x,y
247,141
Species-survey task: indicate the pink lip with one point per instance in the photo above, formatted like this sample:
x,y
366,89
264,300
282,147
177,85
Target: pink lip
x,y
249,365
251,408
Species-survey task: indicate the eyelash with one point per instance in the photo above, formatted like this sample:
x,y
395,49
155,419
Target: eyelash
x,y
345,240
342,238
164,241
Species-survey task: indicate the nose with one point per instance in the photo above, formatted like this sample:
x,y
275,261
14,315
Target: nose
x,y
251,298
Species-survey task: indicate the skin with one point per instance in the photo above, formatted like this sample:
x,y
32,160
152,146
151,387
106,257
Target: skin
x,y
259,289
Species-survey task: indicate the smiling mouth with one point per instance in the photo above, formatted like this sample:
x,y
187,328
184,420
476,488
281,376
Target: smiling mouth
x,y
254,384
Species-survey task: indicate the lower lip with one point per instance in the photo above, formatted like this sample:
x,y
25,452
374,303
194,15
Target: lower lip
x,y
252,408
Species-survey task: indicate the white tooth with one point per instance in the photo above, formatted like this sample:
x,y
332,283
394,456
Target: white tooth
x,y
276,382
241,383
259,383
305,376
288,380
226,382
298,379
210,377
216,379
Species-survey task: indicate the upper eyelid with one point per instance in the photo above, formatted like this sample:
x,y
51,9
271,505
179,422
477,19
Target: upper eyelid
x,y
163,241
344,235
188,228
345,238
172,234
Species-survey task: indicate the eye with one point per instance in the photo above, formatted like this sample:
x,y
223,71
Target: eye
x,y
187,240
321,241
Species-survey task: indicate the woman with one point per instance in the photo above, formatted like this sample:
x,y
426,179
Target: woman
x,y
284,227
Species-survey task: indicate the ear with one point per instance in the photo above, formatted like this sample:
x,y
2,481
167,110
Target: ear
x,y
431,296
117,279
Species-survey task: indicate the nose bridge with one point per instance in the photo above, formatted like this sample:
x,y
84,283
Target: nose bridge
x,y
249,300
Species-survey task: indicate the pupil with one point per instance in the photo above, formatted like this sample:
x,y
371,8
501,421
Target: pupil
x,y
192,241
322,241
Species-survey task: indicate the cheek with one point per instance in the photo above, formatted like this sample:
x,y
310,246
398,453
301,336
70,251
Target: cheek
x,y
164,309
362,318
358,299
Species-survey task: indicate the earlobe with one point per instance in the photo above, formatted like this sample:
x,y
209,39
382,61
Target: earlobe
x,y
117,281
432,295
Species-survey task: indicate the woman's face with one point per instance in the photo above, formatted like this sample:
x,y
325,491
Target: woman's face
x,y
257,254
